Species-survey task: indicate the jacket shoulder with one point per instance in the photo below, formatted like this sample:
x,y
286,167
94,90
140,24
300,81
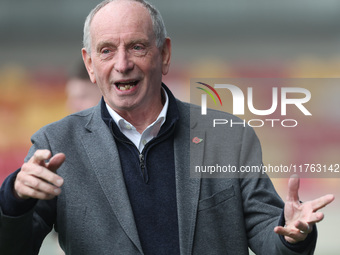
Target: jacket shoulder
x,y
70,124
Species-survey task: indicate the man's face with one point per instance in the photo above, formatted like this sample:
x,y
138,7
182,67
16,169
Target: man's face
x,y
124,60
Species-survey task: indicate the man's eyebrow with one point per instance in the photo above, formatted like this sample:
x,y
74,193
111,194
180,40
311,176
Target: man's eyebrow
x,y
142,41
103,44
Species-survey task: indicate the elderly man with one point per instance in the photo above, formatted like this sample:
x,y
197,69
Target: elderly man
x,y
118,181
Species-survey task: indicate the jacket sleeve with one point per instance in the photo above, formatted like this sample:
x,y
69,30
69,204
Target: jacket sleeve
x,y
24,225
263,208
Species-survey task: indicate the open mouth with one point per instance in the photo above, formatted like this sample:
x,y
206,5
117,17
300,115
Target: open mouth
x,y
126,85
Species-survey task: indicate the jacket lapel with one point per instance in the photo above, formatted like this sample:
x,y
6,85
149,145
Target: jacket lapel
x,y
102,152
188,188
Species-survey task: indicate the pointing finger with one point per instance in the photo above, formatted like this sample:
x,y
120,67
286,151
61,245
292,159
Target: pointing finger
x,y
40,156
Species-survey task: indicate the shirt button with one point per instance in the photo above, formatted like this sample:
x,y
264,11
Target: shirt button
x,y
144,141
127,126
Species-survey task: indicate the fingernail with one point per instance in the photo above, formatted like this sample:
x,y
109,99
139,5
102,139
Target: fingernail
x,y
57,191
60,182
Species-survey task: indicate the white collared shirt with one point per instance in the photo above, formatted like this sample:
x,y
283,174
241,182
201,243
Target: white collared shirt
x,y
140,140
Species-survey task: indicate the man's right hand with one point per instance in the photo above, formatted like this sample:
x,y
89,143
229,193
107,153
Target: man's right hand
x,y
37,179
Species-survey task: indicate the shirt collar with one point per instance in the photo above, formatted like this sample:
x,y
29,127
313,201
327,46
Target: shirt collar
x,y
125,125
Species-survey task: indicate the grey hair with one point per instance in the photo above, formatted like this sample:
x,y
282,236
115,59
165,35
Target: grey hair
x,y
157,23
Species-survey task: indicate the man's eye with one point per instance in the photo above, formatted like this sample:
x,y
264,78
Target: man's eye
x,y
137,47
106,51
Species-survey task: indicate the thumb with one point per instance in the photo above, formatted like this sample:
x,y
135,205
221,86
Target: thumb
x,y
56,161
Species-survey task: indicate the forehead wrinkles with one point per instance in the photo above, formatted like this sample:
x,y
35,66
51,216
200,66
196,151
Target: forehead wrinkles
x,y
122,17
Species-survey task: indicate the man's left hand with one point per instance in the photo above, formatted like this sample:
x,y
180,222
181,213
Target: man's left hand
x,y
300,217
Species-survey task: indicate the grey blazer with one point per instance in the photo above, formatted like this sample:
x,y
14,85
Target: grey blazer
x,y
93,215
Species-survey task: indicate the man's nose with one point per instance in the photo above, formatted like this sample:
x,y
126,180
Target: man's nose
x,y
123,63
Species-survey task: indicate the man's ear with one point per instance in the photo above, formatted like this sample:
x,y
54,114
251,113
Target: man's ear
x,y
88,64
166,56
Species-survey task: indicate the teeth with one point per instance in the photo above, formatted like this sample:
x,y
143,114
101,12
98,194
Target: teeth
x,y
126,85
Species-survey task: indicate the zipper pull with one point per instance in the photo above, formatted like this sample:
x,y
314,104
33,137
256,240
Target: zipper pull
x,y
142,163
143,168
